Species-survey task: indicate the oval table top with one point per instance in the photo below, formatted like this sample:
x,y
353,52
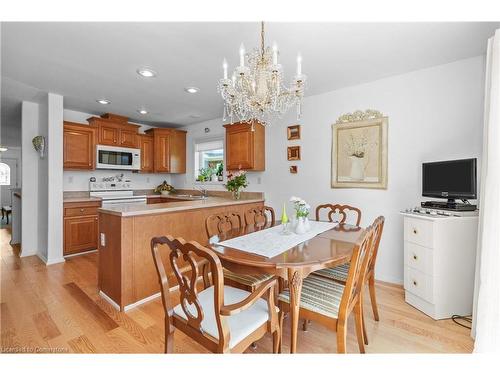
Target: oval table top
x,y
327,249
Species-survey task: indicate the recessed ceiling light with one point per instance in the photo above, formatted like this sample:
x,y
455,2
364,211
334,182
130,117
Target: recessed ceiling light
x,y
195,116
146,73
103,101
192,90
142,111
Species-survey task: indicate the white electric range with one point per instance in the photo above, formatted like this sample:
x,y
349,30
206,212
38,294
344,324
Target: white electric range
x,y
115,192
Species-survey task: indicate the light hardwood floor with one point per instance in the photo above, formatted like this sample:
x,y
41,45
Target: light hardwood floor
x,y
57,309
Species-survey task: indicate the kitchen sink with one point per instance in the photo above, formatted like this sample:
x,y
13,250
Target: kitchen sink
x,y
188,196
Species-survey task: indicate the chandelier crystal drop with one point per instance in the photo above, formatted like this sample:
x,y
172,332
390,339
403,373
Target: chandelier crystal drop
x,y
256,90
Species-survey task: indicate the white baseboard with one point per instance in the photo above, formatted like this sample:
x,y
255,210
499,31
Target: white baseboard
x,y
109,300
82,253
144,300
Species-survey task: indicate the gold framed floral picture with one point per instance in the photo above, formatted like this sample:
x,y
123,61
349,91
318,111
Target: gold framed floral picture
x,y
359,151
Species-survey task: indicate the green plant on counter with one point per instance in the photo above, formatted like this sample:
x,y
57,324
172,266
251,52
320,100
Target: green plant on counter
x,y
205,174
164,186
219,169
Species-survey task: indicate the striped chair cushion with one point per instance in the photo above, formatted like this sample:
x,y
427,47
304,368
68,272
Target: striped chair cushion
x,y
338,273
319,295
249,280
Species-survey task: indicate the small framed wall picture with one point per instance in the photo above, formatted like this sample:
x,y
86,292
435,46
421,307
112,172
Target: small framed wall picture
x,y
293,132
293,153
293,169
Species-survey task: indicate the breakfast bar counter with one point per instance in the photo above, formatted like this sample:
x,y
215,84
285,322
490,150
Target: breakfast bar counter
x,y
127,275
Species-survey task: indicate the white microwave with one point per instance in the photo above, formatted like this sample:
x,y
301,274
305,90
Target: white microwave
x,y
111,157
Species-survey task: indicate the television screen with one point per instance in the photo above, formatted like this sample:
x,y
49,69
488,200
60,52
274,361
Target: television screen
x,y
449,179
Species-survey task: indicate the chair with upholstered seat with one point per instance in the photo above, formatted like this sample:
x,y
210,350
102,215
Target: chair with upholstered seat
x,y
221,318
260,216
330,303
340,273
220,225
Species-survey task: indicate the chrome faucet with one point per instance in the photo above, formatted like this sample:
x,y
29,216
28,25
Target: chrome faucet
x,y
204,192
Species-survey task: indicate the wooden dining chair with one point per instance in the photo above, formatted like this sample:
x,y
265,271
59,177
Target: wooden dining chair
x,y
329,302
221,318
339,213
260,216
340,273
221,224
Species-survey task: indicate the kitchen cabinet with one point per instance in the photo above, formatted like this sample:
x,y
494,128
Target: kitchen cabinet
x,y
146,144
81,227
79,146
115,132
245,147
169,150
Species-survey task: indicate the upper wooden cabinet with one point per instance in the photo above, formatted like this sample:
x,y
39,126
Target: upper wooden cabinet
x,y
146,144
245,147
115,131
169,150
79,146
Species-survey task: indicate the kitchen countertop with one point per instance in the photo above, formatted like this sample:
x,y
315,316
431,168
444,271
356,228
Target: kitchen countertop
x,y
81,199
158,208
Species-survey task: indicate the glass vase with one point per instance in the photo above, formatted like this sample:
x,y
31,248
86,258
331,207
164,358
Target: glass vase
x,y
236,194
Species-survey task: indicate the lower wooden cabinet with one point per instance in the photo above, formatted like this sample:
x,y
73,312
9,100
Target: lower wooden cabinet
x,y
81,227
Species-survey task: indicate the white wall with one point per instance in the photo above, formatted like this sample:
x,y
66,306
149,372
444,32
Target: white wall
x,y
434,114
29,221
79,180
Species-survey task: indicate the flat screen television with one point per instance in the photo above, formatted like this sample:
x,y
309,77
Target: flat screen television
x,y
453,179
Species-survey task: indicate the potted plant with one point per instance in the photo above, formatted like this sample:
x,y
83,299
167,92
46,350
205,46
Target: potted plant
x,y
164,188
204,174
235,182
220,171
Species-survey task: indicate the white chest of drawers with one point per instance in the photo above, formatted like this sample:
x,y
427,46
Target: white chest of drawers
x,y
439,263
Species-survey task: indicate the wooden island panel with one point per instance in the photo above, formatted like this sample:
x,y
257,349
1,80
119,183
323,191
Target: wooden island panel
x,y
127,274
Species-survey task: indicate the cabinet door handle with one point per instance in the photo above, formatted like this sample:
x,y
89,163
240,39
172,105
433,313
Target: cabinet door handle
x,y
414,231
415,257
414,283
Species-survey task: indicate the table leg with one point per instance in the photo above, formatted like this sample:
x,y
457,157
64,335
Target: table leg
x,y
295,285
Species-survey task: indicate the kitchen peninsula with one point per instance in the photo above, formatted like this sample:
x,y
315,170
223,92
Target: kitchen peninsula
x,y
127,276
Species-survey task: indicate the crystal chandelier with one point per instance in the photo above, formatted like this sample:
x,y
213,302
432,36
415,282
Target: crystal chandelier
x,y
256,89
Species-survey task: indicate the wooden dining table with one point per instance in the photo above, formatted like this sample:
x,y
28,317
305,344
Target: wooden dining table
x,y
328,249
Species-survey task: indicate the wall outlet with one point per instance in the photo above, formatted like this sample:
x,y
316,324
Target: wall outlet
x,y
147,179
103,239
259,180
70,179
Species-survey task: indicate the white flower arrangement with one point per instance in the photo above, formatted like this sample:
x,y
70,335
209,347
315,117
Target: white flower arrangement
x,y
301,206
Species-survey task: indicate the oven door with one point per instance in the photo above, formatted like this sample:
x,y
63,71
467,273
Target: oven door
x,y
109,157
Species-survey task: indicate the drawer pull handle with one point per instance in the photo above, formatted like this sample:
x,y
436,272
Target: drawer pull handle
x,y
415,257
81,210
414,231
414,283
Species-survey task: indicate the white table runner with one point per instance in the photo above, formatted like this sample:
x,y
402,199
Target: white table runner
x,y
271,242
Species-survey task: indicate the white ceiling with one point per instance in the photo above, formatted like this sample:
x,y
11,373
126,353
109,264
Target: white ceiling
x,y
87,61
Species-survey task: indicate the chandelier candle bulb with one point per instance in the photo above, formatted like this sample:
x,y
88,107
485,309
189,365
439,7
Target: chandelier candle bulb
x,y
299,65
242,55
275,54
224,66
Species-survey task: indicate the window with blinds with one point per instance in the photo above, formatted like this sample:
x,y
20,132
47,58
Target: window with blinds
x,y
209,160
